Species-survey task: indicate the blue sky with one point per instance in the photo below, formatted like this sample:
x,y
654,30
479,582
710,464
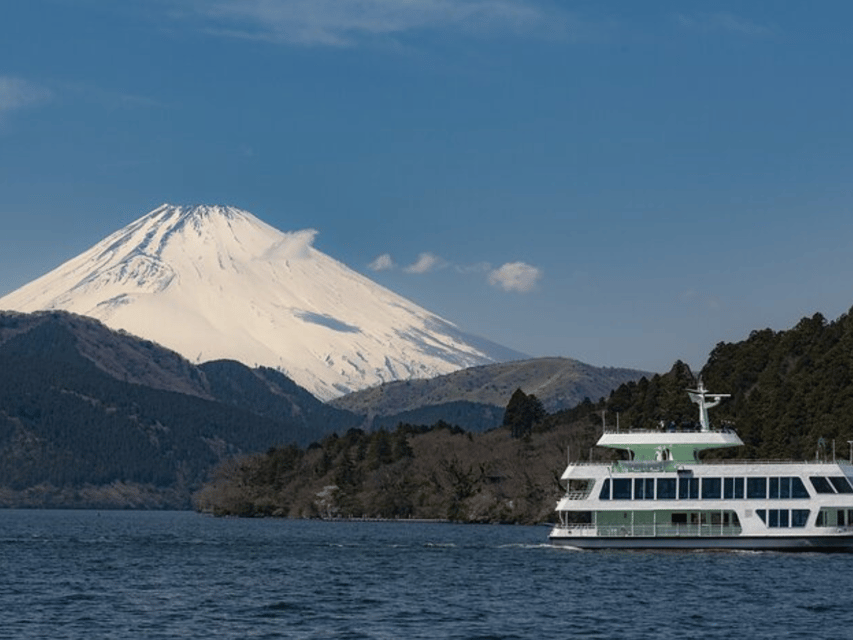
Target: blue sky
x,y
626,183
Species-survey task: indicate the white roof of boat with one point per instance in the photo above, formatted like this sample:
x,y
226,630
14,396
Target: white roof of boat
x,y
669,438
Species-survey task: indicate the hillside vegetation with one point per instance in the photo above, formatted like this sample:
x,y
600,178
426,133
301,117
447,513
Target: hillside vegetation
x,y
91,417
792,397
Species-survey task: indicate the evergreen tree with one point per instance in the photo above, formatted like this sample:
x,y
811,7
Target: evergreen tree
x,y
522,412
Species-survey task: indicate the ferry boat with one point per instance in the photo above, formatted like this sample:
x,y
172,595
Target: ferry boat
x,y
664,497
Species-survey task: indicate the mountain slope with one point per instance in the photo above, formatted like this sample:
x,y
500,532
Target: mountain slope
x,y
81,425
94,417
215,283
475,398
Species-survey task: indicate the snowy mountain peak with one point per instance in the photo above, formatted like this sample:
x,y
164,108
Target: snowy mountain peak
x,y
203,220
214,282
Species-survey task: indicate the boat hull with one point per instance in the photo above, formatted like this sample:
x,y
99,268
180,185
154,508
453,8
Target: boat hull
x,y
734,543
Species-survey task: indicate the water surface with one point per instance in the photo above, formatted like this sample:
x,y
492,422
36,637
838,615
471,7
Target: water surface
x,y
123,575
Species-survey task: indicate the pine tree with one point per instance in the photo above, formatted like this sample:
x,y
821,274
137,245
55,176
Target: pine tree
x,y
522,412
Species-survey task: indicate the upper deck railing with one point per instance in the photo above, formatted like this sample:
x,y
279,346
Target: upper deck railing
x,y
782,461
629,465
648,530
661,431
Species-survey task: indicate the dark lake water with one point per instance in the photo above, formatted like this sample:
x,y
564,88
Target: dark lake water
x,y
123,575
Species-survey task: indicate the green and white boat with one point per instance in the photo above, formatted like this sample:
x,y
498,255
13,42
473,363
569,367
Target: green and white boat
x,y
664,497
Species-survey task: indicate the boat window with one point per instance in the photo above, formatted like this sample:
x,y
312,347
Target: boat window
x,y
639,489
778,518
799,517
756,487
762,514
831,518
575,517
773,520
621,488
821,484
841,484
733,488
688,488
786,487
679,518
644,488
774,488
798,489
711,488
666,488
605,490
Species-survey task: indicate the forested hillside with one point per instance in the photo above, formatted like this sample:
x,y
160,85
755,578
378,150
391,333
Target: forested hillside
x,y
100,418
792,397
104,429
90,417
792,391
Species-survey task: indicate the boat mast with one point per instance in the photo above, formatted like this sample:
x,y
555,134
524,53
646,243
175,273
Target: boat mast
x,y
705,401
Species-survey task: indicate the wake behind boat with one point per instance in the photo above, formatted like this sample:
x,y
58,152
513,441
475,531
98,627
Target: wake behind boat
x,y
664,497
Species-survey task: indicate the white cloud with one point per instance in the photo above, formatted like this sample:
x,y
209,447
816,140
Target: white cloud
x,y
343,23
382,263
426,262
512,276
294,246
16,93
515,276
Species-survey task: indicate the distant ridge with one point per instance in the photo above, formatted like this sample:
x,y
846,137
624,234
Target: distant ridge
x,y
475,398
215,282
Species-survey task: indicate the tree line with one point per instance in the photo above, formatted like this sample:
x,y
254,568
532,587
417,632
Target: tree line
x,y
791,398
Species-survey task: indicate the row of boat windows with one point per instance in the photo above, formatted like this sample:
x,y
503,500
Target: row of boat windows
x,y
774,518
836,484
783,518
688,488
834,517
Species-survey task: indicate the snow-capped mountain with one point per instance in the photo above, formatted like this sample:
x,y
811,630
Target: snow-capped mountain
x,y
215,282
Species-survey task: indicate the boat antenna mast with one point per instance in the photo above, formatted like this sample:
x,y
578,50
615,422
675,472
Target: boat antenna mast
x,y
706,401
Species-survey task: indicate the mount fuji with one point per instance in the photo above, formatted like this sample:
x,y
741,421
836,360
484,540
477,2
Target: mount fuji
x,y
215,282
